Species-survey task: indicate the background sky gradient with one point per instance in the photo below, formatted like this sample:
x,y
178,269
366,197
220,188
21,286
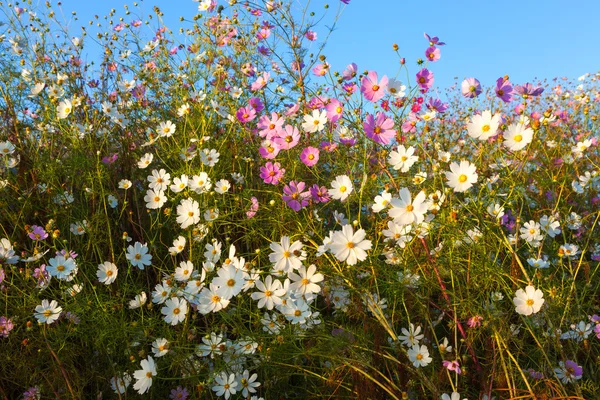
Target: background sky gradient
x,y
526,39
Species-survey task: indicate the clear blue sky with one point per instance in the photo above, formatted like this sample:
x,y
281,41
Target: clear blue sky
x,y
525,39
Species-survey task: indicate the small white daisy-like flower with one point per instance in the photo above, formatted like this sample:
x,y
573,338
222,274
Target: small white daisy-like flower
x,y
138,301
155,199
528,301
188,213
222,186
461,176
144,376
145,160
124,184
47,312
138,255
175,310
107,272
419,355
160,347
341,188
178,246
184,272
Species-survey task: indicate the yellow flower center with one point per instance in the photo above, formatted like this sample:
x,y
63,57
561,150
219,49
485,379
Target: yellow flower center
x,y
375,88
409,208
518,138
176,311
60,268
343,189
231,283
350,245
485,128
462,178
529,302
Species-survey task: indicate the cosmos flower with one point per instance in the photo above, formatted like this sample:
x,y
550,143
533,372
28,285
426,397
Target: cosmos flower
x,y
372,89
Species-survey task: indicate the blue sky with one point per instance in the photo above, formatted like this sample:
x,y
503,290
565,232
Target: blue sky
x,y
524,39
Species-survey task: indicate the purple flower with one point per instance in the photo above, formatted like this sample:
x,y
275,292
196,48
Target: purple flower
x,y
179,394
319,194
504,90
470,88
253,208
597,331
528,90
6,326
33,393
508,221
255,103
436,105
2,275
328,146
294,196
37,233
433,41
110,159
425,79
309,156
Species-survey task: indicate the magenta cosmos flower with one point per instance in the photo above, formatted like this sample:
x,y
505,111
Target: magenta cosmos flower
x,y
432,54
504,90
425,79
294,196
309,156
245,114
255,103
371,88
320,194
379,129
272,173
470,88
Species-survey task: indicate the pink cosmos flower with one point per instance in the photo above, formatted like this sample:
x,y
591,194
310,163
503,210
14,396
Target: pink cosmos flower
x,y
452,366
470,88
334,110
272,173
268,149
371,88
321,69
245,114
253,208
350,72
287,138
425,79
432,54
263,34
379,129
474,321
261,82
292,110
6,325
294,196
269,127
309,156
349,88
328,146
311,35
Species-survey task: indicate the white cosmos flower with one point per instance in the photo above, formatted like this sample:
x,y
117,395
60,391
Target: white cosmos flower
x,y
175,310
188,213
517,137
528,301
107,272
461,176
349,246
144,376
341,188
405,210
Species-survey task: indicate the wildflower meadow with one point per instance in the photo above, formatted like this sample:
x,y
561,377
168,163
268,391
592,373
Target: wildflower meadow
x,y
229,218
